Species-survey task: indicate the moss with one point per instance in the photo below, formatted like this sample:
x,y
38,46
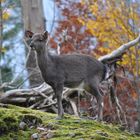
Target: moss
x,y
70,128
20,135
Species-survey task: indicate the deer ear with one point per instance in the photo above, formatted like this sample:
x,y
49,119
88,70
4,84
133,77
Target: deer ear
x,y
45,35
28,34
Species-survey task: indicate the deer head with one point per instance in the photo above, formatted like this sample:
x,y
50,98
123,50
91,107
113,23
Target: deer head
x,y
38,40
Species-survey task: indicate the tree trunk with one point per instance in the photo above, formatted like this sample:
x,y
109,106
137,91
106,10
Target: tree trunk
x,y
1,38
33,18
138,107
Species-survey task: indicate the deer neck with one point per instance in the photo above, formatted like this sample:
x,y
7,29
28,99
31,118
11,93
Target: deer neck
x,y
44,59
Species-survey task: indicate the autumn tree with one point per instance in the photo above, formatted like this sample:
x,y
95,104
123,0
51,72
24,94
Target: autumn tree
x,y
78,38
114,23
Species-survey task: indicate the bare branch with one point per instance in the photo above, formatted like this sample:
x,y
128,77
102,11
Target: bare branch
x,y
74,107
120,50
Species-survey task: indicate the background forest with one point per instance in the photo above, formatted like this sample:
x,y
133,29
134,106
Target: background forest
x,y
93,27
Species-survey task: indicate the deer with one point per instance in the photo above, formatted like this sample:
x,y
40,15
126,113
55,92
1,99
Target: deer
x,y
68,70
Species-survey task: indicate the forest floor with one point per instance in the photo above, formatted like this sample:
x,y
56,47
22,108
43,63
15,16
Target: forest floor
x,y
17,123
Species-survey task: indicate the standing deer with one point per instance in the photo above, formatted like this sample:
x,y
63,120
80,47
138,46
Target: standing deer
x,y
74,70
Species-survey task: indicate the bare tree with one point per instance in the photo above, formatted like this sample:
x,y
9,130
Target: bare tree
x,y
1,35
33,18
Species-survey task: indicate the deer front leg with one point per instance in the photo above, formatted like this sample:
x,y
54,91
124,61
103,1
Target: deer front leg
x,y
58,93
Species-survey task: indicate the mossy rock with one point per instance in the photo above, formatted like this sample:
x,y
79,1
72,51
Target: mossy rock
x,y
31,120
70,128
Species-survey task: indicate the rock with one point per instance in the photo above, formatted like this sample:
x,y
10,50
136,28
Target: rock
x,y
35,136
41,128
81,139
72,135
31,120
43,134
22,126
77,121
50,135
32,127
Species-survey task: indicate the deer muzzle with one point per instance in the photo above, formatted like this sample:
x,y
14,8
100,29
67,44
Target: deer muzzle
x,y
32,46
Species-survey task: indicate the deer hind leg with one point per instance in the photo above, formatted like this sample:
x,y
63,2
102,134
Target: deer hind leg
x,y
94,90
58,93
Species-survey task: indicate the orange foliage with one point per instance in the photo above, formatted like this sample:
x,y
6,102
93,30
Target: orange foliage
x,y
113,24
